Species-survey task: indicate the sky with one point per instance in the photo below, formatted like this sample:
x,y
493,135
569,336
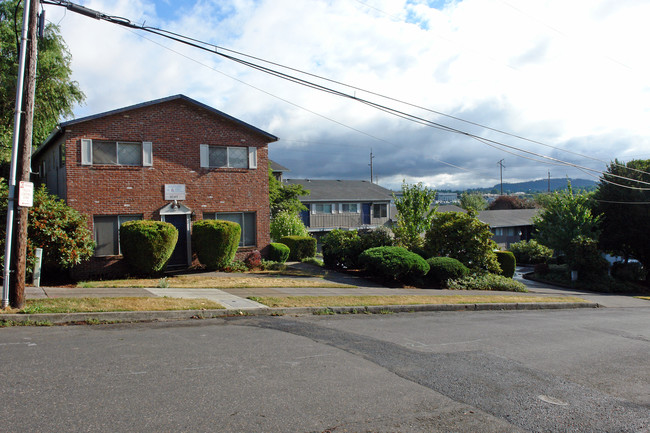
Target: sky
x,y
568,80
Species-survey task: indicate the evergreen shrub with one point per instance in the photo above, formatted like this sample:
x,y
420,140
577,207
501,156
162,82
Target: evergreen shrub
x,y
631,271
215,242
530,252
442,269
339,249
147,245
300,247
278,252
507,262
395,263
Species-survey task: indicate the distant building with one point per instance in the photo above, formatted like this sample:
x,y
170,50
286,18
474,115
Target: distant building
x,y
446,197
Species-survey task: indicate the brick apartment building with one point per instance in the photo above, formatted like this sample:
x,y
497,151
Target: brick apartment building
x,y
172,159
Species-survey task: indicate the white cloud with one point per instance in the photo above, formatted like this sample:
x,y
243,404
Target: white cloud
x,y
570,74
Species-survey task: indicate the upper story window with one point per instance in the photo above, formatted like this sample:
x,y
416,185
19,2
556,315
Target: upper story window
x,y
102,152
228,157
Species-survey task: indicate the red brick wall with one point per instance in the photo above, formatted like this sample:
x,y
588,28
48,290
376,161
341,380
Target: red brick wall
x,y
176,128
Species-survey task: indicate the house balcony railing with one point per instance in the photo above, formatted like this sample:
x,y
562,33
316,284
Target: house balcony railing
x,y
342,221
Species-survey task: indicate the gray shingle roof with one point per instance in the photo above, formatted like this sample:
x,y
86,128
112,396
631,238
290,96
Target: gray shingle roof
x,y
341,190
277,167
508,218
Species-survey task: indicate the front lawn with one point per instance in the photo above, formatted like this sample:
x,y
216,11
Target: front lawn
x,y
363,301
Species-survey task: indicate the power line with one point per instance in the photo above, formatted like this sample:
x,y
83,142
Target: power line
x,y
216,50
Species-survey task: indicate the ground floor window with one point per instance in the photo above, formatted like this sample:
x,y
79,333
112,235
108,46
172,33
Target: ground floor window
x,y
379,211
322,208
247,222
107,233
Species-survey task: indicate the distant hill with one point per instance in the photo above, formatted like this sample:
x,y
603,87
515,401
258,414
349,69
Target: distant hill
x,y
541,185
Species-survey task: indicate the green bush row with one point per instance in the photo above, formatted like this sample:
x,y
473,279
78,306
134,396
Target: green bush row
x,y
395,263
342,248
300,247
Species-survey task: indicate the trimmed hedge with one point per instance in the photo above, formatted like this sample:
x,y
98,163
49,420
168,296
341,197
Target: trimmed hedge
x,y
507,262
147,245
215,242
442,269
531,252
300,247
278,252
393,262
341,248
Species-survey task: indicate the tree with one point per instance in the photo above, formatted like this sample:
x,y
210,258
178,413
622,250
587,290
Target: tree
x,y
414,213
463,237
56,93
626,225
473,200
284,198
59,230
565,217
511,202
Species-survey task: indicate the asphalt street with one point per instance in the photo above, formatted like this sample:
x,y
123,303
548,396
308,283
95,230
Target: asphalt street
x,y
538,371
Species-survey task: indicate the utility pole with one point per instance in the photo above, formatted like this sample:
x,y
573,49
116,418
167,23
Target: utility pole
x,y
501,167
22,56
371,158
20,159
549,181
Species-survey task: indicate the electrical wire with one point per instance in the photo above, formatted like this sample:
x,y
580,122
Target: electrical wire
x,y
215,49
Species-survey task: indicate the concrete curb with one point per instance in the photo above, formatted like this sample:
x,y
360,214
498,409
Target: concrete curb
x,y
158,316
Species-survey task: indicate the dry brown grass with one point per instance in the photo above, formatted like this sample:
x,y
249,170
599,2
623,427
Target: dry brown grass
x,y
647,298
361,301
95,305
234,282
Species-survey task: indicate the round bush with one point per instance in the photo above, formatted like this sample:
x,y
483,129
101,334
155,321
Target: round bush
x,y
507,262
147,245
215,242
393,262
278,252
442,269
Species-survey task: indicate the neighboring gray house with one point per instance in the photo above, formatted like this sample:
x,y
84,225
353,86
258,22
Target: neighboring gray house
x,y
277,170
343,204
509,226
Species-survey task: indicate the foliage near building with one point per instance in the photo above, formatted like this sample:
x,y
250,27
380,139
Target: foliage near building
x,y
414,214
566,216
147,245
530,252
284,198
300,247
215,242
442,269
473,201
395,263
287,223
463,237
59,230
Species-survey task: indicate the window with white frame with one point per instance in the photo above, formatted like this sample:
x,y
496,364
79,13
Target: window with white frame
x,y
379,211
321,208
349,208
102,152
107,233
247,222
228,157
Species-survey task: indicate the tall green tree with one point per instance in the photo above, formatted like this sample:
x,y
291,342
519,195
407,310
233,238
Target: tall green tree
x,y
565,217
415,211
473,200
56,92
626,214
284,198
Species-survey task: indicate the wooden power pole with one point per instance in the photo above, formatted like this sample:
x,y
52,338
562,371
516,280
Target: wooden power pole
x,y
17,296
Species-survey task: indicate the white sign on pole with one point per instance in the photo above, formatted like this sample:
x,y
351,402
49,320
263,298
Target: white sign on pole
x,y
25,194
174,192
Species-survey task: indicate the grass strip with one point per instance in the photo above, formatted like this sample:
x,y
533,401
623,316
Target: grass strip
x,y
193,282
97,305
362,301
647,298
